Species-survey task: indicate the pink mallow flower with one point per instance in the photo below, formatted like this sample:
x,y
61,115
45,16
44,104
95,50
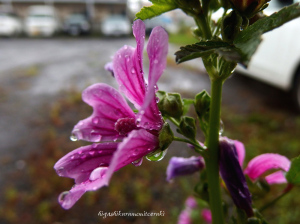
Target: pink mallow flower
x,y
263,163
120,136
206,215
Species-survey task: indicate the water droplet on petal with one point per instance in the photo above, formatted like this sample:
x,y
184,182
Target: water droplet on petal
x,y
155,61
73,138
62,196
138,162
98,173
156,156
132,70
60,170
95,120
221,130
91,152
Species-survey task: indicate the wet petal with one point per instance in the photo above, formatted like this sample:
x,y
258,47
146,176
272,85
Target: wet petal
x,y
68,198
138,144
108,106
264,162
157,50
139,34
179,166
149,116
79,163
129,75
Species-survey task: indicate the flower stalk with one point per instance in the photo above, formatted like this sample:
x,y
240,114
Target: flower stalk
x,y
212,160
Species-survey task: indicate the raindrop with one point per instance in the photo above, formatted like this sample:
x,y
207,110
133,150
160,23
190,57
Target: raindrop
x,y
60,170
138,162
91,152
132,70
116,139
155,61
72,157
157,156
79,152
221,130
98,173
63,195
94,136
73,138
95,120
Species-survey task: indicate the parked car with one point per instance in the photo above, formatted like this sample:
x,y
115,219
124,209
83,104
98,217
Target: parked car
x,y
116,25
10,24
77,24
42,20
162,20
277,60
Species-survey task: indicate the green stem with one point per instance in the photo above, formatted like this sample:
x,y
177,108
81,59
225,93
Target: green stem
x,y
212,160
198,148
202,23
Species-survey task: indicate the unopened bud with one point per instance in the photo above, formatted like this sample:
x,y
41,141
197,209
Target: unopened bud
x,y
170,104
233,176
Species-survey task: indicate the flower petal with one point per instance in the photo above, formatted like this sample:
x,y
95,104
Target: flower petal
x,y
149,116
157,50
179,166
108,106
276,178
79,163
264,162
128,70
138,144
68,198
240,149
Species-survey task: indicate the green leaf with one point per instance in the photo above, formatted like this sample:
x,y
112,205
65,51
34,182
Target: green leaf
x,y
293,175
245,43
249,39
205,48
159,7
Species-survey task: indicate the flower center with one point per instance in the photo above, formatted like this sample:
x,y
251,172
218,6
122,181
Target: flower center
x,y
125,125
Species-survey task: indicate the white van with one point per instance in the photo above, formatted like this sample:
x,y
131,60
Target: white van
x,y
277,59
41,20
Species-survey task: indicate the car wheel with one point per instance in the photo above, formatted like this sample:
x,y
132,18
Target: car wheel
x,y
296,91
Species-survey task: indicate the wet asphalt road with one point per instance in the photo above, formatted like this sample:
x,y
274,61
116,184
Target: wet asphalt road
x,y
34,72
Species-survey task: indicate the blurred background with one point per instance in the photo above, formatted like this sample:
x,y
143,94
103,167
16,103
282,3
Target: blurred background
x,y
53,49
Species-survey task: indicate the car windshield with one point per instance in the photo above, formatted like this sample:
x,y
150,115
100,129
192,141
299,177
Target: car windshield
x,y
76,18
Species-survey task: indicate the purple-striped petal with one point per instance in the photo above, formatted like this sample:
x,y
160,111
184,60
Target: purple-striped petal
x,y
264,162
133,148
139,30
108,106
157,50
128,67
98,179
179,166
79,163
149,116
